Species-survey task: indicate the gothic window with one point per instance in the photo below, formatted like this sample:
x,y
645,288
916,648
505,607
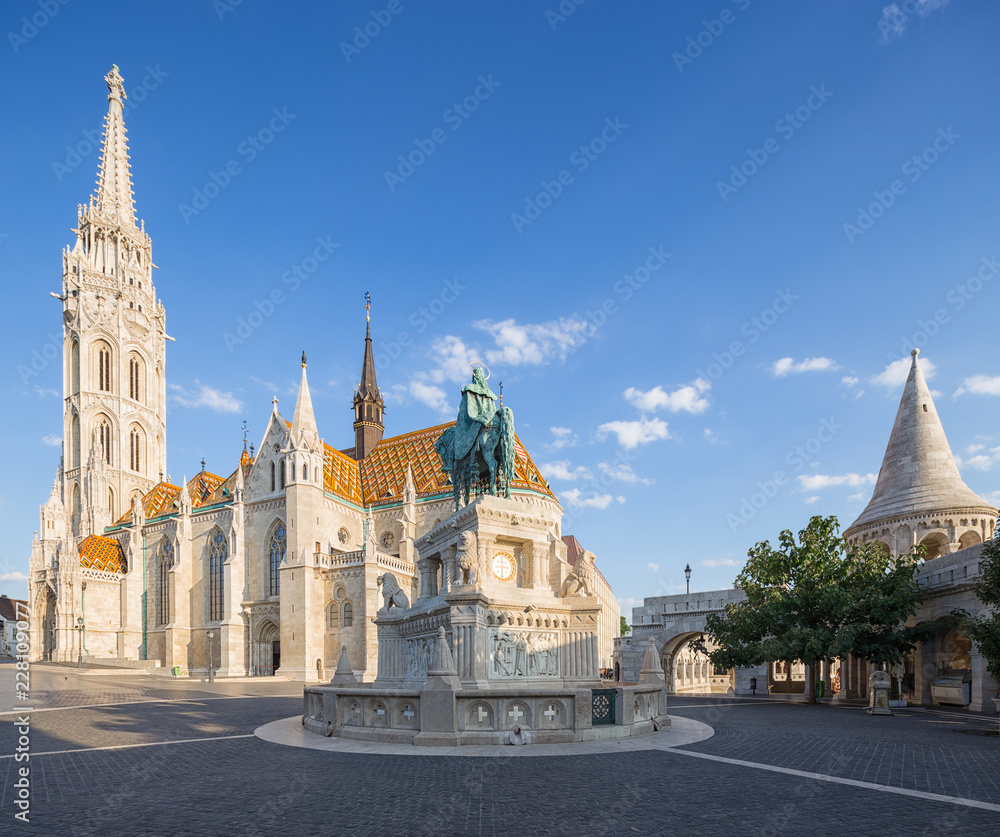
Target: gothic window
x,y
111,505
163,600
104,439
282,473
75,367
272,476
134,449
276,552
219,550
75,442
348,619
135,378
332,615
103,367
305,472
293,472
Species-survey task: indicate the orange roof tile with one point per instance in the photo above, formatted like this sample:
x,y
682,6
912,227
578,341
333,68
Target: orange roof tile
x,y
100,553
383,471
201,487
341,476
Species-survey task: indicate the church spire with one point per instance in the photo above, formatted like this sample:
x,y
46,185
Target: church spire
x,y
304,420
114,178
918,471
369,405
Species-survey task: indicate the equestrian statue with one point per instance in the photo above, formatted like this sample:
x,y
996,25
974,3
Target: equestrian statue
x,y
478,453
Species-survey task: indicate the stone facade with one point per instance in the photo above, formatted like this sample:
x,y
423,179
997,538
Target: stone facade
x,y
273,567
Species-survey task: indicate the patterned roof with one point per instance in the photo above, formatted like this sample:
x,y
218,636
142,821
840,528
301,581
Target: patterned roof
x,y
201,487
100,553
161,499
383,471
340,475
8,608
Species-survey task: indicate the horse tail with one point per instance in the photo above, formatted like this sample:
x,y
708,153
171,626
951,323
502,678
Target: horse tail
x,y
508,450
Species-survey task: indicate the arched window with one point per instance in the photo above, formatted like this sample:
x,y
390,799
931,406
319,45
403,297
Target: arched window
x,y
74,461
104,439
272,476
103,367
305,472
348,619
135,378
276,554
332,615
111,505
219,547
74,365
134,448
166,553
293,472
282,473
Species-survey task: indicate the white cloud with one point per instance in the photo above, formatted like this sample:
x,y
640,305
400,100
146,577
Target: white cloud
x,y
574,497
633,433
654,567
14,575
42,392
719,562
894,19
205,396
622,473
788,366
980,385
52,440
453,357
817,482
563,470
993,498
975,448
810,500
532,344
894,375
562,437
849,381
690,398
626,605
857,498
712,437
986,460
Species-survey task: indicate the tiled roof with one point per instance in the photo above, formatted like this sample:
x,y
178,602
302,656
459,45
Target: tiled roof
x,y
340,475
8,608
383,471
161,499
100,553
201,486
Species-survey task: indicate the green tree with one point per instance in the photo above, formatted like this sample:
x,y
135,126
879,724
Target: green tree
x,y
624,627
983,627
813,599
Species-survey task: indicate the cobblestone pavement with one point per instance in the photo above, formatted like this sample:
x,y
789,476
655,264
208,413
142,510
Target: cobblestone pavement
x,y
223,785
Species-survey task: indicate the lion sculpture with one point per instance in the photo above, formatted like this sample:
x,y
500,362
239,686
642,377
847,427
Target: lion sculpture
x,y
392,594
580,581
468,558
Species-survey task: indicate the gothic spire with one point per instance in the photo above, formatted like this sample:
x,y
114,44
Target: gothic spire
x,y
368,402
114,178
918,471
304,420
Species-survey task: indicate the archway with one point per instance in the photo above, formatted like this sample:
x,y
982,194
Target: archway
x,y
934,545
969,539
266,650
689,671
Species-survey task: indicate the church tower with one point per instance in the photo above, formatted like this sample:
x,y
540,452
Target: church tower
x,y
114,391
920,497
369,406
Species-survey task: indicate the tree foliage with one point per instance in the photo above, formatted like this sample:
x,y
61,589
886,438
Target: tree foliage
x,y
813,599
984,627
624,627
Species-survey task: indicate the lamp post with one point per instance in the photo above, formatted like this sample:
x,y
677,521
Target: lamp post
x,y
211,655
79,628
687,577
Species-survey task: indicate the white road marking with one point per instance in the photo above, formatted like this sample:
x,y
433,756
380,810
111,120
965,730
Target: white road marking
x,y
132,746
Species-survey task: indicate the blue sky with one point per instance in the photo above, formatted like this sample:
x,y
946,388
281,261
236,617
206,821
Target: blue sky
x,y
689,238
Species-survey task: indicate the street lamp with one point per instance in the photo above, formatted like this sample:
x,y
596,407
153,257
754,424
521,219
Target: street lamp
x,y
79,628
211,655
687,577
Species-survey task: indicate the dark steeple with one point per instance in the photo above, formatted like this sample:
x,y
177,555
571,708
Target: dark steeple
x,y
369,405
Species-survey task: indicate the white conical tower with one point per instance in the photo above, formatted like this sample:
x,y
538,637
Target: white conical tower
x,y
920,497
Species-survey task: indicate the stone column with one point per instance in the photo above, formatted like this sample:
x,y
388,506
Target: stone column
x,y
533,554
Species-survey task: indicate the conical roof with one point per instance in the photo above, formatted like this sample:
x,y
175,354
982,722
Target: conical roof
x,y
304,420
918,471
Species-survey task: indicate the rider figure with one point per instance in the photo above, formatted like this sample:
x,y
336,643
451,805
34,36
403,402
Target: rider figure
x,y
475,413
